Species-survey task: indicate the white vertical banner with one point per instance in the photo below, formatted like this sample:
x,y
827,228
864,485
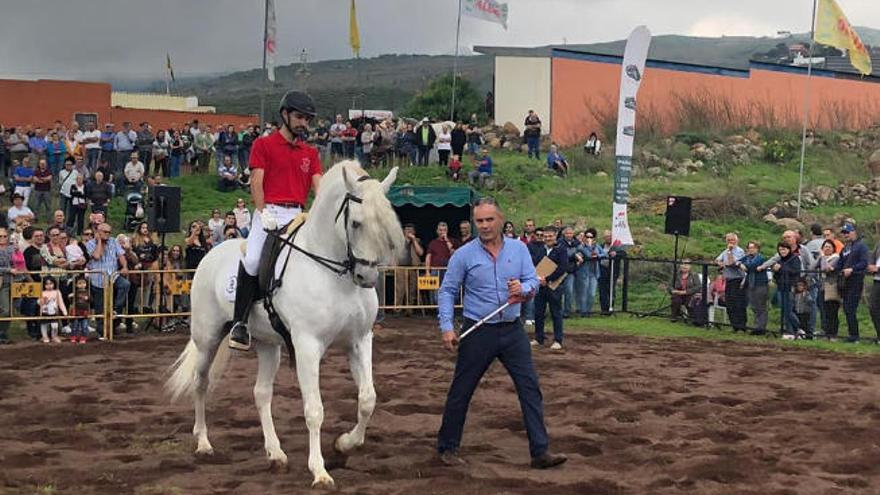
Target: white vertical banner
x,y
270,40
632,70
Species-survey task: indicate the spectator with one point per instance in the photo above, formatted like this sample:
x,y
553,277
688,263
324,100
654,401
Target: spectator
x,y
464,232
425,137
37,144
528,231
242,217
51,304
574,260
228,143
336,132
734,284
6,278
508,230
593,146
77,208
17,144
99,193
75,252
454,171
246,141
440,250
853,264
831,294
405,289
177,147
18,210
349,136
106,258
34,264
56,152
196,244
787,269
546,295
228,175
321,139
532,133
161,150
124,143
144,142
474,139
108,151
24,177
802,301
229,221
587,274
458,139
816,240
231,232
134,283
828,234
482,173
175,263
685,287
367,143
134,173
756,285
80,309
215,226
557,162
410,147
609,272
66,179
144,245
444,145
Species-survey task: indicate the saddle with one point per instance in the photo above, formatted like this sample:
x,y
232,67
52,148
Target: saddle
x,y
271,249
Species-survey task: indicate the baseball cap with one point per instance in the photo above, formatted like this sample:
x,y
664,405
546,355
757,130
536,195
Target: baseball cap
x,y
17,196
847,228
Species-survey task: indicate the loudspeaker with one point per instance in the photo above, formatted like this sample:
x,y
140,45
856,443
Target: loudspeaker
x,y
164,209
678,215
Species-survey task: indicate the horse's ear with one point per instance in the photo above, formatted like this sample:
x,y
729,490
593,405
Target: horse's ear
x,y
389,180
346,179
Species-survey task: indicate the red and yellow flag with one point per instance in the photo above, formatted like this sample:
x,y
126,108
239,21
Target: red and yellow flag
x,y
833,28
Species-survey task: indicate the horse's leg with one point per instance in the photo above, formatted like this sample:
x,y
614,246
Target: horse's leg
x,y
205,357
269,358
361,362
308,360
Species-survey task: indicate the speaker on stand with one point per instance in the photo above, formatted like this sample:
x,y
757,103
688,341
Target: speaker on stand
x,y
163,208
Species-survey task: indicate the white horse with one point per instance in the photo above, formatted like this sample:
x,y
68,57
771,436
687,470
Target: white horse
x,y
352,224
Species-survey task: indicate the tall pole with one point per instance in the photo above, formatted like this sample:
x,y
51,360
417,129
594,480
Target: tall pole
x,y
455,63
806,109
265,76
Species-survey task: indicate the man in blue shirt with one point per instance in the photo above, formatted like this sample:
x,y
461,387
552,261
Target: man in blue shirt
x,y
557,162
558,254
493,271
37,144
483,171
734,290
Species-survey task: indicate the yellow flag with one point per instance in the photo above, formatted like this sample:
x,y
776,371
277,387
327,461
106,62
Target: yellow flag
x,y
833,28
354,37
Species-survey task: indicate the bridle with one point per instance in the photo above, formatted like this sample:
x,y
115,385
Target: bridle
x,y
338,267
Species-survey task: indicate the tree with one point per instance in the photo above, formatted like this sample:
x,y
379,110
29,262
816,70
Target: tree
x,y
434,102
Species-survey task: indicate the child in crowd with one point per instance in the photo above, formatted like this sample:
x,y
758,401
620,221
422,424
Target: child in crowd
x,y
74,253
51,304
80,302
455,168
803,303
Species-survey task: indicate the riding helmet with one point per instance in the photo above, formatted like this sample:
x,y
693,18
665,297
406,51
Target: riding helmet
x,y
299,102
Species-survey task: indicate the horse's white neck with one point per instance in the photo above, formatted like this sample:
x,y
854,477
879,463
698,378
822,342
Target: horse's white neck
x,y
319,234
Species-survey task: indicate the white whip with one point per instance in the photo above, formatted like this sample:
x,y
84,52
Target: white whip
x,y
480,323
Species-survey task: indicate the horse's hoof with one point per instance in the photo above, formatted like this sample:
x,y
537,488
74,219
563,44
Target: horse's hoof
x,y
204,452
323,481
344,445
278,466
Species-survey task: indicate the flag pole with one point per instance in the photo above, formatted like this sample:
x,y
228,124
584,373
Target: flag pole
x,y
806,109
455,62
265,75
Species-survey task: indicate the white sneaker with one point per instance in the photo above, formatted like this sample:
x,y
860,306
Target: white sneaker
x,y
787,336
801,334
134,325
66,330
556,346
534,343
122,326
530,323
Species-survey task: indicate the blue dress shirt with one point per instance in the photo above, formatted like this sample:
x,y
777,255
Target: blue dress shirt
x,y
485,281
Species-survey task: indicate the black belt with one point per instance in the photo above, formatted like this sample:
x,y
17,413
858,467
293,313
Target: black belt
x,y
498,324
293,204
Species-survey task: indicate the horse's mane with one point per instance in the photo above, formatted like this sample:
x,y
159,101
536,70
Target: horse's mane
x,y
381,232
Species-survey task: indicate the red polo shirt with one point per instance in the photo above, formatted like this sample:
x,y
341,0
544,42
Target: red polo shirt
x,y
287,168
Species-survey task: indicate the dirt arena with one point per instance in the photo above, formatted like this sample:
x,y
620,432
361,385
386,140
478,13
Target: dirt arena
x,y
635,416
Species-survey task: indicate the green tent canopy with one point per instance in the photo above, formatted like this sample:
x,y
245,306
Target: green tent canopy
x,y
438,196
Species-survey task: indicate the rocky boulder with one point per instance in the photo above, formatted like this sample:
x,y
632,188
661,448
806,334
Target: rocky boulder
x,y
510,130
874,163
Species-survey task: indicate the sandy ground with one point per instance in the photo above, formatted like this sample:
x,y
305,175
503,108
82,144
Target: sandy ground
x,y
635,416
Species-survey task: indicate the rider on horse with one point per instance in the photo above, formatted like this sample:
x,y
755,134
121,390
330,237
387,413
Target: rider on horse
x,y
284,167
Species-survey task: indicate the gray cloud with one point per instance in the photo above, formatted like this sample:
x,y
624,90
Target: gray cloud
x,y
129,38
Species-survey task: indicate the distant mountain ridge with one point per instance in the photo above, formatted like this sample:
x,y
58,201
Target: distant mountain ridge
x,y
388,82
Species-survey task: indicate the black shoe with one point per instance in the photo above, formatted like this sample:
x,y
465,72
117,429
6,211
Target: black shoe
x,y
548,460
451,458
852,340
239,338
758,332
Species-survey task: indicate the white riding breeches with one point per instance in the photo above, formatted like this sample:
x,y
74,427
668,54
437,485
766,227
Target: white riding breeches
x,y
257,236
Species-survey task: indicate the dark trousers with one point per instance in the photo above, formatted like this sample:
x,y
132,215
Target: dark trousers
x,y
735,297
76,217
874,306
544,297
830,322
851,296
443,157
533,143
119,298
30,307
424,151
757,299
676,302
605,286
145,157
510,345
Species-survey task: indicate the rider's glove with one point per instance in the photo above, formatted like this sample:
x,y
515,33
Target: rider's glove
x,y
268,220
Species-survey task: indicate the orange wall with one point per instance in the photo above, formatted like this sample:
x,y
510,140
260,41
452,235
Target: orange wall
x,y
43,102
584,91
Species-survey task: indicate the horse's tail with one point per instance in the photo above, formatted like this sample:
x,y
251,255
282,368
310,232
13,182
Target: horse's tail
x,y
184,371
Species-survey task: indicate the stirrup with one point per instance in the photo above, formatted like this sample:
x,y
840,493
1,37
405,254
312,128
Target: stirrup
x,y
239,337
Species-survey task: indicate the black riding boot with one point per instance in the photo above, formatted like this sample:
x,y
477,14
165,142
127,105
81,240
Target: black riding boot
x,y
245,292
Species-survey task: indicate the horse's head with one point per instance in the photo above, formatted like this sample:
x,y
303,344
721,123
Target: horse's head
x,y
368,223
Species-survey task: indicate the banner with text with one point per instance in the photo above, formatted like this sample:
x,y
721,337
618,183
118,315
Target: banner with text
x,y
632,70
488,10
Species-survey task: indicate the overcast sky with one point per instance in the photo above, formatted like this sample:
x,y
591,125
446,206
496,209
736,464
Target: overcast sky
x,y
129,38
